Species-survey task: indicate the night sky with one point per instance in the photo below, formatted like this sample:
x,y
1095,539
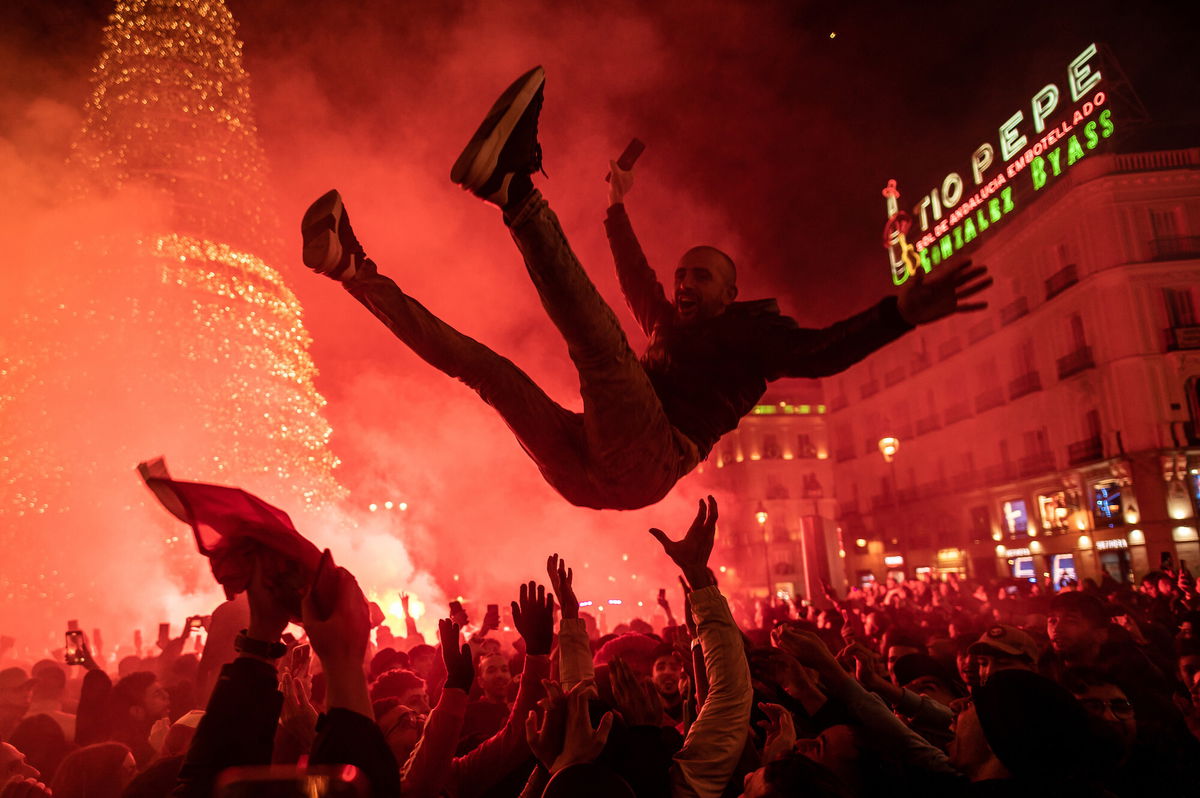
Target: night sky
x,y
791,133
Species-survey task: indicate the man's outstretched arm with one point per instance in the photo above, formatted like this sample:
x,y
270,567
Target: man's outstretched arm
x,y
639,283
799,352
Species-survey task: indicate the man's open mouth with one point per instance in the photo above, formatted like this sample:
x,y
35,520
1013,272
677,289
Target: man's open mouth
x,y
686,304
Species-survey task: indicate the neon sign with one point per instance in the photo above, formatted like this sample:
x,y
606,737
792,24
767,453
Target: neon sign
x,y
948,218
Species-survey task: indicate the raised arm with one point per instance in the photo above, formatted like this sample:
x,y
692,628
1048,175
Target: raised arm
x,y
574,652
799,352
643,292
715,741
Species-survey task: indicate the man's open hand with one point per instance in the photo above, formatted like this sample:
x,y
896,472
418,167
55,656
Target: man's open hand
x,y
533,616
691,554
460,667
562,582
926,299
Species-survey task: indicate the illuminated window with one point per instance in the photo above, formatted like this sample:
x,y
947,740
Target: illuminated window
x,y
1106,506
1016,518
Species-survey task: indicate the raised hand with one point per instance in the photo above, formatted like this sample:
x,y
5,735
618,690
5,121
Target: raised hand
x,y
546,742
691,554
619,183
582,743
781,732
340,642
927,299
460,666
807,648
297,715
562,581
269,613
637,701
533,616
342,637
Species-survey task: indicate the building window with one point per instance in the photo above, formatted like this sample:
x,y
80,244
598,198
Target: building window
x,y
1055,512
784,568
1078,337
1106,506
1164,223
981,525
776,489
812,487
770,448
1016,518
1180,310
805,448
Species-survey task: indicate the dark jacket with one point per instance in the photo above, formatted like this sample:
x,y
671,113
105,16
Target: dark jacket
x,y
710,374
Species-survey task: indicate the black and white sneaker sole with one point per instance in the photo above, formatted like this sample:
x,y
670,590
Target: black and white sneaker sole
x,y
478,160
322,249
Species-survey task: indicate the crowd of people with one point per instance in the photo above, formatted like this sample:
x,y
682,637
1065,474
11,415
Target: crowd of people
x,y
951,687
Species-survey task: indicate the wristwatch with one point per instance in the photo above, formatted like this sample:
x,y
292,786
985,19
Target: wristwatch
x,y
258,648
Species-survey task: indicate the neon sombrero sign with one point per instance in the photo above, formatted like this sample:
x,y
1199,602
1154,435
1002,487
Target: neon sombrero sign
x,y
1030,151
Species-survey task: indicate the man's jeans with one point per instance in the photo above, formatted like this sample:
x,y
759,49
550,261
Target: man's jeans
x,y
622,452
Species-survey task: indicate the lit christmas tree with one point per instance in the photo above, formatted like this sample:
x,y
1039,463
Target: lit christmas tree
x,y
169,333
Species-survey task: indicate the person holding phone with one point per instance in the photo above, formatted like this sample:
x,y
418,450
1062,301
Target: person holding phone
x,y
647,421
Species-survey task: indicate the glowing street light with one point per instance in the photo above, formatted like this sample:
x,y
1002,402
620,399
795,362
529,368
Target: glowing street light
x,y
760,515
888,447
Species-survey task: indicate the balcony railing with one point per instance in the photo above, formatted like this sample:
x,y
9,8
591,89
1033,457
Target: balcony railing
x,y
869,389
1036,463
1061,280
894,376
1025,384
1077,361
1183,338
957,412
965,480
918,364
838,403
1014,310
978,332
928,424
992,397
949,348
1086,451
1175,247
1003,472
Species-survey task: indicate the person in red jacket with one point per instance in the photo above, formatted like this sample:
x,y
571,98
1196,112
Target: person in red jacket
x,y
646,422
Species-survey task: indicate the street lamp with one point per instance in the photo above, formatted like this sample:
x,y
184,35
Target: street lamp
x,y
888,447
760,515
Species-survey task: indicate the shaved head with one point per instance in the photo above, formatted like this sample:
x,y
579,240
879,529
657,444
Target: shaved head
x,y
713,256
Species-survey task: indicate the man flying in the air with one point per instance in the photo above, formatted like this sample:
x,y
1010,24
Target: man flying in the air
x,y
646,422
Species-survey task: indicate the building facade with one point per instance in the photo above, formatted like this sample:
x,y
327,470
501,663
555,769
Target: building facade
x,y
1057,433
779,533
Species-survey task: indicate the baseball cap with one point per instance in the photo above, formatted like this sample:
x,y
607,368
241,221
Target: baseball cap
x,y
1008,641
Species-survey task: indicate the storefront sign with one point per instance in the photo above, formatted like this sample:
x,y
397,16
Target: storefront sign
x,y
1032,153
1016,553
1115,543
893,560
